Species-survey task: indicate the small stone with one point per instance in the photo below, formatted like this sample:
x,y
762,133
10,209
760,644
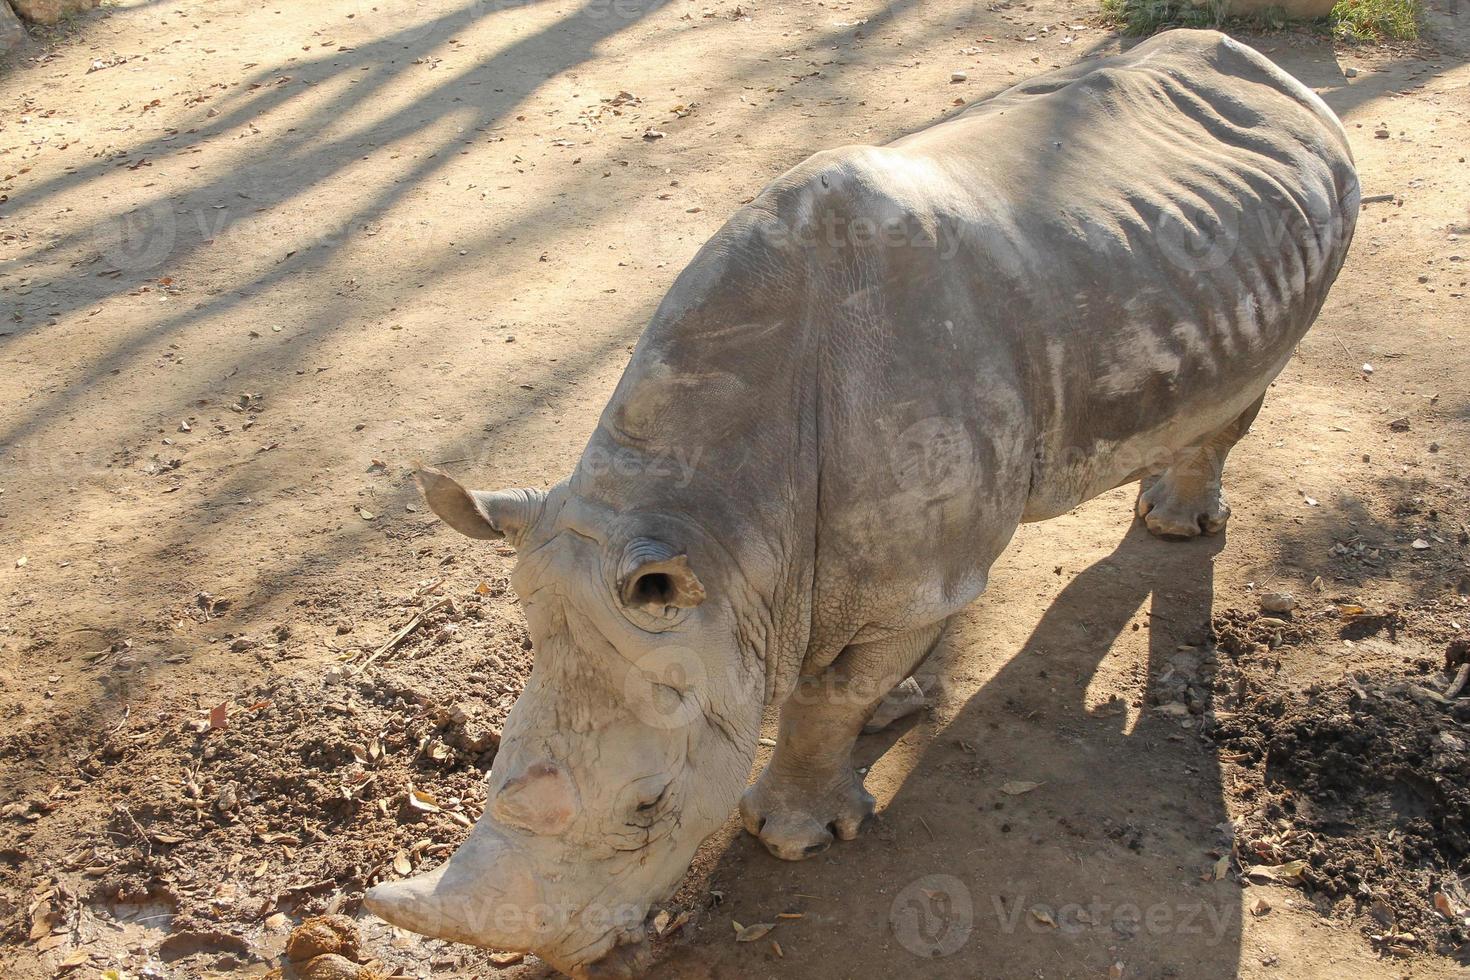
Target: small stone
x,y
959,76
1277,602
1350,72
49,12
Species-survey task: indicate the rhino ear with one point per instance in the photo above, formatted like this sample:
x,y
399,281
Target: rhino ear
x,y
657,579
508,514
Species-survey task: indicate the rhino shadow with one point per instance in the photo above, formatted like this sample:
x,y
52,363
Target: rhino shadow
x,y
1104,862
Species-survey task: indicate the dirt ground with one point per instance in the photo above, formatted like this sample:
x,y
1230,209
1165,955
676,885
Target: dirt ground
x,y
254,259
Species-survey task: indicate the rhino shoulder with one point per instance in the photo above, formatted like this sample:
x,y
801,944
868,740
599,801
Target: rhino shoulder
x,y
856,197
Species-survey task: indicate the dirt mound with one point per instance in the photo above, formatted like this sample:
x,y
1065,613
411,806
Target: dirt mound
x,y
1363,800
287,800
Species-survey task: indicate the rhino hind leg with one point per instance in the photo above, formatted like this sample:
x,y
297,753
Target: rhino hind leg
x,y
905,699
1188,498
810,794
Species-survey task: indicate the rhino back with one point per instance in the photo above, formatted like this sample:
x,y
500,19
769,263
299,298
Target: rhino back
x,y
897,353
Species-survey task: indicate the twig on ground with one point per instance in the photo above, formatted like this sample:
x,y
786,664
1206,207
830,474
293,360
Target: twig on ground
x,y
1458,684
402,634
143,837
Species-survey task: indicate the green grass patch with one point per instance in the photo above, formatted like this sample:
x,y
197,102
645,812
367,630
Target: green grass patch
x,y
1353,20
1376,20
1141,18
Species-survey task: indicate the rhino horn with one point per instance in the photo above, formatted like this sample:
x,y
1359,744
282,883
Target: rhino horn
x,y
507,514
479,896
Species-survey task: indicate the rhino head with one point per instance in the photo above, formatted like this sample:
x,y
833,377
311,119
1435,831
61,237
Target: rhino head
x,y
631,743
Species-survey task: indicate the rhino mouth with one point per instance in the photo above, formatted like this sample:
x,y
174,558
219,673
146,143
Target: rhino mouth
x,y
630,957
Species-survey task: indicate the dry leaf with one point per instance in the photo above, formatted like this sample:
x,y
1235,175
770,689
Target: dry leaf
x,y
219,716
750,934
1043,916
366,515
506,959
74,959
43,921
420,800
402,864
1222,867
1017,787
1442,902
1287,872
776,948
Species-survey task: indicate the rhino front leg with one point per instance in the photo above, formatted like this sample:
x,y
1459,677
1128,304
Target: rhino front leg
x,y
1188,497
810,792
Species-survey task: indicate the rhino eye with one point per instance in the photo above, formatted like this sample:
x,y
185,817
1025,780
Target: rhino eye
x,y
648,805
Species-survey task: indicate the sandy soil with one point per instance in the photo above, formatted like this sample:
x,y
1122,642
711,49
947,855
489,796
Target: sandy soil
x,y
256,258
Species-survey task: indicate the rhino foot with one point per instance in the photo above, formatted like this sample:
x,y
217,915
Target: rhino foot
x,y
1171,511
797,819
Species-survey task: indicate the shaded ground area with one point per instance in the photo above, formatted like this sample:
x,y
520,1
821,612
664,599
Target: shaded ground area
x,y
255,261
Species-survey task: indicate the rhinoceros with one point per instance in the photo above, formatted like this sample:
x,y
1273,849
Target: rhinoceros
x,y
880,367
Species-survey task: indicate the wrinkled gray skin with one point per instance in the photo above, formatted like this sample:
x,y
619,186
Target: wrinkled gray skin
x,y
830,430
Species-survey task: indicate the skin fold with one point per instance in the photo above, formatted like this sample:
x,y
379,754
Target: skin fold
x,y
831,428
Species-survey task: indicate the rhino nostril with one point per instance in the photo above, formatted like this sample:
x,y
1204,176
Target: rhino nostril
x,y
816,848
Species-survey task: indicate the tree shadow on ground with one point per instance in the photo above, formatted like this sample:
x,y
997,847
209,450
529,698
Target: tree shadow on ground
x,y
1105,861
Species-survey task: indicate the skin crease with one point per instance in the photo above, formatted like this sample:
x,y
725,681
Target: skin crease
x,y
831,428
